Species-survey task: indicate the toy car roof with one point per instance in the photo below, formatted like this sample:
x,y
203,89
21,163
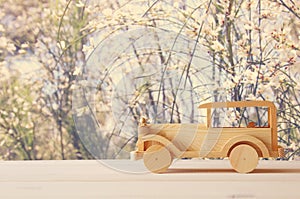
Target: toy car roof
x,y
238,104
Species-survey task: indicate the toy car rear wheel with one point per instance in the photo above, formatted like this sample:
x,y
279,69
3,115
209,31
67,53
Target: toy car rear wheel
x,y
243,158
157,159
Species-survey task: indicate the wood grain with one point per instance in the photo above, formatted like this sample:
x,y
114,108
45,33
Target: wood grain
x,y
204,141
157,159
185,179
243,158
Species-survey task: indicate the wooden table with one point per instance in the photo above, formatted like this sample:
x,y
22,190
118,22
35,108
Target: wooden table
x,y
185,179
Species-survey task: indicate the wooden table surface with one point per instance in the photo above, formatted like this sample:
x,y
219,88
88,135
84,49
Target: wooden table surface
x,y
111,179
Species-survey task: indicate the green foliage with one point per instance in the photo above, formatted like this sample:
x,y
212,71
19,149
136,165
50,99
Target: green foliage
x,y
17,125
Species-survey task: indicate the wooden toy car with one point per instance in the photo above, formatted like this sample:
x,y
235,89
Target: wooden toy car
x,y
159,144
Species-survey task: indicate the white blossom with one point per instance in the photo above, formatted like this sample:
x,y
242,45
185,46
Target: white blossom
x,y
55,106
77,71
80,4
3,42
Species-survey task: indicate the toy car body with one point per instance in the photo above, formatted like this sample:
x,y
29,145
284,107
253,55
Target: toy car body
x,y
159,144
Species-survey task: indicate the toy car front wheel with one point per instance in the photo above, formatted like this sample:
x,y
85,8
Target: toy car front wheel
x,y
157,159
243,158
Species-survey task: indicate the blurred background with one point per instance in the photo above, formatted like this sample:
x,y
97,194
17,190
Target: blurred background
x,y
77,75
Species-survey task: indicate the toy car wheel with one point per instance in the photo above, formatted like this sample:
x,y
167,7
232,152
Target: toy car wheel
x,y
243,158
157,159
